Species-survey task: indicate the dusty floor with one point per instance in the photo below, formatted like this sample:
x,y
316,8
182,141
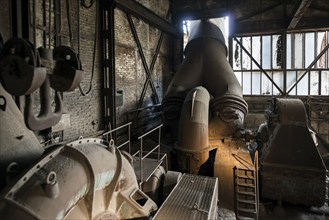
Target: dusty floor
x,y
271,211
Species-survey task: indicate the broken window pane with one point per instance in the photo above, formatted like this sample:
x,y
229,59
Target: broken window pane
x,y
276,51
246,61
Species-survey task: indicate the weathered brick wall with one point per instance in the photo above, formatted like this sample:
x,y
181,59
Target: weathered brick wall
x,y
85,112
130,73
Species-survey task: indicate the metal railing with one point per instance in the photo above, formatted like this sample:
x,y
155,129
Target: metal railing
x,y
142,157
109,133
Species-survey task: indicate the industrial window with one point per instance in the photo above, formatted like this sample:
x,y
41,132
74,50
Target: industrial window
x,y
293,64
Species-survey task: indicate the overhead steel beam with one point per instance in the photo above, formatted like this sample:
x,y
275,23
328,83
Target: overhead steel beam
x,y
139,11
299,13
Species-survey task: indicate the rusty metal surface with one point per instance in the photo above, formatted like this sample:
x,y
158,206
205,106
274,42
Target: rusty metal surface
x,y
68,72
21,73
94,181
194,197
292,169
46,117
17,143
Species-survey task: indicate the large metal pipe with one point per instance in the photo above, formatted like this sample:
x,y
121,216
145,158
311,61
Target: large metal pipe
x,y
206,65
193,145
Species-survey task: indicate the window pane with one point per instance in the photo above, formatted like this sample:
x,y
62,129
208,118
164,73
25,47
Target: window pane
x,y
325,83
245,58
246,83
276,52
266,52
321,43
238,76
266,84
309,49
314,84
302,86
291,79
298,51
256,51
278,79
289,51
236,55
256,83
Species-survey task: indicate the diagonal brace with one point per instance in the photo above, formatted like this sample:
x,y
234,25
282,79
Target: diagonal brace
x,y
258,65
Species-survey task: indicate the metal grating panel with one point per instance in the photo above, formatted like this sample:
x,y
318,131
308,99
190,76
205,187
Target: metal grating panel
x,y
194,197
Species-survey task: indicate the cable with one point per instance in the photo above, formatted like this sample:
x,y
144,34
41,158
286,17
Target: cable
x,y
94,56
69,21
83,3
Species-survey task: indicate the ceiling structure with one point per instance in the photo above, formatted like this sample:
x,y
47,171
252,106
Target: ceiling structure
x,y
258,16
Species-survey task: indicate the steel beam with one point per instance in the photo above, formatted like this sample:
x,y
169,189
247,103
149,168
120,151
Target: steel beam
x,y
139,11
140,50
299,13
308,68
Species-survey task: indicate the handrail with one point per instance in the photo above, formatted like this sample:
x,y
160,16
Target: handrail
x,y
106,134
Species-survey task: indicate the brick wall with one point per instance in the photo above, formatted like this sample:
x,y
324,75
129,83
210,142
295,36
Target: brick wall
x,y
85,112
130,73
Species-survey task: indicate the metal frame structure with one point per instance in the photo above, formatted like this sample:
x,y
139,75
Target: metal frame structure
x,y
284,68
108,49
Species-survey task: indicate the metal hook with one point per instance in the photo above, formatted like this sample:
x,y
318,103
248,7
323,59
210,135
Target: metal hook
x,y
46,118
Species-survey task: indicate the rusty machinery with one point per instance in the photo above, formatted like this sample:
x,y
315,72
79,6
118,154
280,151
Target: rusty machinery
x,y
205,110
84,179
291,166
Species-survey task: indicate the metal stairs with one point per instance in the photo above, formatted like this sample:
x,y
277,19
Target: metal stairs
x,y
246,193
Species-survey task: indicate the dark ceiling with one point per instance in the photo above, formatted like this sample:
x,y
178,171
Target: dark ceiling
x,y
258,16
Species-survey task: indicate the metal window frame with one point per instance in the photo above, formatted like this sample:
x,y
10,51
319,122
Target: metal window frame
x,y
285,91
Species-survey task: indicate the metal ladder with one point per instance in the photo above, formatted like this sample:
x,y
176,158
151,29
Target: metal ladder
x,y
246,192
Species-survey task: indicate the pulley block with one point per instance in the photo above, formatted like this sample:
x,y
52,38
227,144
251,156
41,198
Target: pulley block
x,y
68,71
20,71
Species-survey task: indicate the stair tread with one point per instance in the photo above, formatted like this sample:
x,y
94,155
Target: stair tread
x,y
246,185
247,201
246,177
247,193
253,211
